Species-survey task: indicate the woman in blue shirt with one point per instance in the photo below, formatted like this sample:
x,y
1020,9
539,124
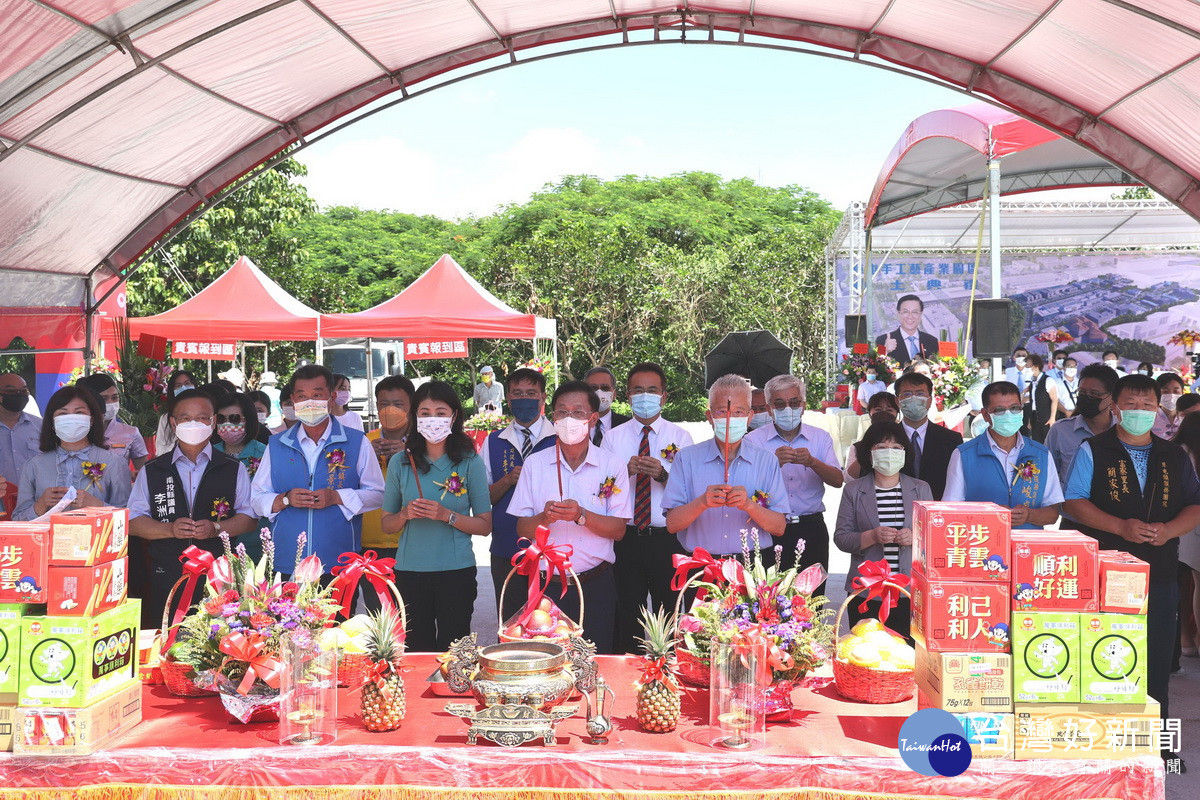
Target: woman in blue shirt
x,y
235,433
437,493
73,454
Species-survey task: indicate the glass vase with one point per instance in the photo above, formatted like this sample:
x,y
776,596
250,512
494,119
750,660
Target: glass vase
x,y
738,683
307,690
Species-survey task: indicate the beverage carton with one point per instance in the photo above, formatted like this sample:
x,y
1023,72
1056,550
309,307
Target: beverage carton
x,y
965,682
1072,730
1113,658
23,554
8,712
70,662
79,731
1124,583
961,541
960,616
87,591
1045,649
1054,571
10,651
89,536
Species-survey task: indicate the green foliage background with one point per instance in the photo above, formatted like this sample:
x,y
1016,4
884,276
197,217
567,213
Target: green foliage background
x,y
633,269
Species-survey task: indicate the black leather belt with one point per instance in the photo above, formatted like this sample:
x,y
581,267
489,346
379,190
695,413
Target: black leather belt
x,y
649,530
584,577
792,519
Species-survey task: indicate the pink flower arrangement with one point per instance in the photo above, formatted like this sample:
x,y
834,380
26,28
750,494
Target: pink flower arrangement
x,y
453,484
668,453
608,488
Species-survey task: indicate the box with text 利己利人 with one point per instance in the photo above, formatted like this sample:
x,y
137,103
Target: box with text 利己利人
x,y
960,616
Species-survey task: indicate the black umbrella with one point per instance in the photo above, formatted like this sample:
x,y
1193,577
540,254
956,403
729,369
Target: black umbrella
x,y
757,355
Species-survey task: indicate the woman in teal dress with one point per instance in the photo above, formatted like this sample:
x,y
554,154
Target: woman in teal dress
x,y
236,433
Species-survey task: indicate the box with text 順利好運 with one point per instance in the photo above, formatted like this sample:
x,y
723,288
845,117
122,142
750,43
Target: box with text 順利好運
x,y
965,682
78,731
23,556
1112,656
69,662
961,541
1074,730
1045,647
1054,571
89,536
960,616
87,591
1124,583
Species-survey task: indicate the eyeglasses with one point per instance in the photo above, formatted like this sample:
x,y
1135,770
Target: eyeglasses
x,y
1013,409
232,419
524,394
15,391
779,404
572,414
183,419
906,395
1094,395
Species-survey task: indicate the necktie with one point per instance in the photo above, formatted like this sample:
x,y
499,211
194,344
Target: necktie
x,y
641,495
527,445
598,436
916,445
912,347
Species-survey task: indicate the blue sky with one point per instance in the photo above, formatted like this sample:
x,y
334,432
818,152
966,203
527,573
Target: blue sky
x,y
775,117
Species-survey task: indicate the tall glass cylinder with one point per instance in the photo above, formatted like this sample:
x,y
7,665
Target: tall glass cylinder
x,y
307,691
736,708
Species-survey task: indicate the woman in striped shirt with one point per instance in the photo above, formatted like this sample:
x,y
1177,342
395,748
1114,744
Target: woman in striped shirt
x,y
875,517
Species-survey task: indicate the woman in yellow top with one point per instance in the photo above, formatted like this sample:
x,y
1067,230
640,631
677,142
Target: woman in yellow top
x,y
393,399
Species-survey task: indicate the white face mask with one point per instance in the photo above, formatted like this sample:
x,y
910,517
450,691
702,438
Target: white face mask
x,y
312,412
193,433
606,399
1169,401
262,418
110,411
1110,362
71,428
887,462
341,398
760,419
288,412
1071,372
570,430
434,429
1019,360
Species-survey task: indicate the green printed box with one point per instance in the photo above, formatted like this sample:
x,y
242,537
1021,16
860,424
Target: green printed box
x,y
1045,649
70,662
10,648
1113,658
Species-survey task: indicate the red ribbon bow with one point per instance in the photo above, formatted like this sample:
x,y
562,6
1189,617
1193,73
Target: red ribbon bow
x,y
655,669
196,564
745,642
378,675
879,581
528,563
250,649
699,559
377,571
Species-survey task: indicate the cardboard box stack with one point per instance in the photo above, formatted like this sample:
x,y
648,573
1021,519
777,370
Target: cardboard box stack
x,y
68,633
1073,682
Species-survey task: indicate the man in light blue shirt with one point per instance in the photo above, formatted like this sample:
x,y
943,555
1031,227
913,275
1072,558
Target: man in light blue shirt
x,y
703,508
1015,374
1094,403
19,430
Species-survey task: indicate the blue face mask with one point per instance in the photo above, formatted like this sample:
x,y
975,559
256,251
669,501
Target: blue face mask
x,y
737,429
1007,423
870,377
788,419
525,409
184,388
646,405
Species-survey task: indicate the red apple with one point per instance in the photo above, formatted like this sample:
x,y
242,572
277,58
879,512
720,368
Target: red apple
x,y
546,605
540,621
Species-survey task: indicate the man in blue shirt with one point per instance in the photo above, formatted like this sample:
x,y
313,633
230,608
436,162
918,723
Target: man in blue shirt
x,y
1132,491
19,432
703,508
1093,404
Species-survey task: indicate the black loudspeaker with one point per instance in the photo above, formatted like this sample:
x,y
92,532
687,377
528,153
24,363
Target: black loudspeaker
x,y
856,329
992,334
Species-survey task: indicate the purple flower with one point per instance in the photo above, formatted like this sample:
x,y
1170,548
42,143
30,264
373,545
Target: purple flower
x,y
230,609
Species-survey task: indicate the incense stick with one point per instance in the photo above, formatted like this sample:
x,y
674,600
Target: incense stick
x,y
558,465
728,416
416,475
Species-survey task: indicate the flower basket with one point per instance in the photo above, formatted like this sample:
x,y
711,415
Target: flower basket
x,y
179,676
866,684
692,669
507,624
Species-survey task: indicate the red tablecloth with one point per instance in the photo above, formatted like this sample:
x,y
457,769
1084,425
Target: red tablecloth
x,y
831,748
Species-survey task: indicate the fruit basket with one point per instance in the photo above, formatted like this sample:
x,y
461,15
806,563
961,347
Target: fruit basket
x,y
353,664
178,676
873,664
546,623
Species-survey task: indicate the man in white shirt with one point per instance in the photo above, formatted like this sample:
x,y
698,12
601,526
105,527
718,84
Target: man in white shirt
x,y
604,384
503,453
647,444
489,395
581,493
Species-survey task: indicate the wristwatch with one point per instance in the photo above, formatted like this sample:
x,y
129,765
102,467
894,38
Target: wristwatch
x,y
286,502
582,518
451,519
662,475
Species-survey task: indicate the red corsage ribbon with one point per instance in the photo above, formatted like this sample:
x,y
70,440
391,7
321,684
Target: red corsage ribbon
x,y
196,564
240,647
879,581
699,559
353,567
528,563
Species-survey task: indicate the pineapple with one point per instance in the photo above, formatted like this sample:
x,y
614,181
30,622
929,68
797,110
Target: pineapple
x,y
383,707
658,693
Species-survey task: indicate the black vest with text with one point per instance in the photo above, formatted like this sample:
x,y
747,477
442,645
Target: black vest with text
x,y
1115,490
215,499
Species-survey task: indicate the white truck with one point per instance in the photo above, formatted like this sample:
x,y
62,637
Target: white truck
x,y
349,357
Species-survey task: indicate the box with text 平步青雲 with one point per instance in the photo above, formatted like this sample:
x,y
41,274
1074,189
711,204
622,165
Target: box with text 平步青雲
x,y
1112,655
1075,730
965,682
961,541
23,556
960,616
82,731
69,662
1045,647
89,536
87,591
1124,583
1054,571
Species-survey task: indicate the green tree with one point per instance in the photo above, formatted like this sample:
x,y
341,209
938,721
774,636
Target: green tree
x,y
1136,193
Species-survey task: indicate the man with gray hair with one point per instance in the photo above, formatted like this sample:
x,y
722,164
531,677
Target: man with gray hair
x,y
708,504
808,463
